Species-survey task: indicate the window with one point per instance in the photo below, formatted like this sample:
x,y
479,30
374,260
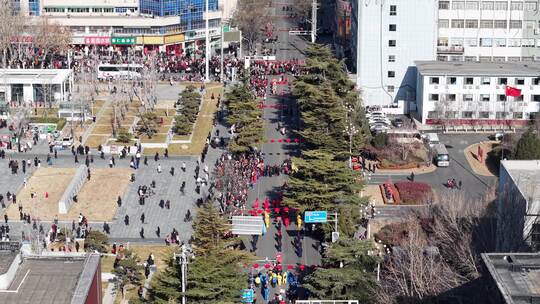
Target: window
x,y
514,42
2,96
469,80
470,58
432,114
518,98
434,97
391,43
527,42
391,58
519,81
535,98
97,9
499,42
500,24
516,6
500,115
471,42
458,23
486,42
444,23
500,6
392,27
433,80
486,23
501,97
442,42
458,5
518,115
390,89
530,6
536,81
393,10
391,74
516,24
502,81
470,23
451,97
514,58
456,58
485,58
456,42
483,115
451,114
467,97
451,80
484,97
108,10
499,58
466,114
529,25
444,5
485,81
471,5
487,5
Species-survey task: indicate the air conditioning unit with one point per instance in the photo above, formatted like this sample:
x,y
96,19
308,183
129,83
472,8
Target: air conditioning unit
x,y
477,87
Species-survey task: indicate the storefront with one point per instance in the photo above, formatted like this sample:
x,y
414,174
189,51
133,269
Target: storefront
x,y
173,44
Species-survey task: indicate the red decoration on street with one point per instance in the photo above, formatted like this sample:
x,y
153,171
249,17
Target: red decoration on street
x,y
267,265
290,267
272,140
511,91
288,140
280,140
279,267
296,140
46,194
286,222
276,210
259,211
285,209
255,265
302,267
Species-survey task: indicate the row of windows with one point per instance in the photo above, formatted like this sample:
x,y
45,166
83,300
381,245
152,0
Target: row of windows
x,y
480,115
488,24
482,80
488,5
88,10
480,97
489,42
486,58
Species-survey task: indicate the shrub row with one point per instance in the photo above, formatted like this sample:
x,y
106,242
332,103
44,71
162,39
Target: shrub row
x,y
413,193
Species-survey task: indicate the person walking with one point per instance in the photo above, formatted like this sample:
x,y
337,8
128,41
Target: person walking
x,y
172,171
412,176
142,218
158,231
126,220
183,166
159,168
6,218
142,232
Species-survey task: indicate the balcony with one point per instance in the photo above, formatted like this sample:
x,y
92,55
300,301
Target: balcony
x,y
455,50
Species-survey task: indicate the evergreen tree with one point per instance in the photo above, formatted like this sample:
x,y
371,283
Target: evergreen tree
x,y
209,230
245,115
348,272
96,241
166,285
528,146
129,271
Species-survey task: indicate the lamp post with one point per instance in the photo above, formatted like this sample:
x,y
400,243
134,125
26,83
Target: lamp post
x,y
207,51
351,130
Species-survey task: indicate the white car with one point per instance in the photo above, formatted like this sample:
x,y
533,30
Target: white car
x,y
375,114
374,120
379,126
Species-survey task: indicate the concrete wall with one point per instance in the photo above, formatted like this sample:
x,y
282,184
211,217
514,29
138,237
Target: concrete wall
x,y
7,278
415,38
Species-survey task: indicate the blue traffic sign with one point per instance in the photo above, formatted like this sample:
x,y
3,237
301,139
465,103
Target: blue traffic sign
x,y
247,296
315,216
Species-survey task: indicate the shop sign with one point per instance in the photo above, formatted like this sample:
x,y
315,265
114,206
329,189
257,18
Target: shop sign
x,y
123,40
97,40
174,38
154,40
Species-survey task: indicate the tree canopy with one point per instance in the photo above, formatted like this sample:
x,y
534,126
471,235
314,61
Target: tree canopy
x,y
528,146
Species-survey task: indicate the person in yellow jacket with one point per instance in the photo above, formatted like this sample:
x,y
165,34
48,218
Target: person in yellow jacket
x,y
279,279
285,278
299,221
267,219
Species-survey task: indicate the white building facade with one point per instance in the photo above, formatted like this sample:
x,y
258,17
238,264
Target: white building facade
x,y
488,30
388,36
474,93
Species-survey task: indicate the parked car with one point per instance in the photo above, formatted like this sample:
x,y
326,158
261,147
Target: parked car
x,y
398,122
374,120
497,136
379,126
375,114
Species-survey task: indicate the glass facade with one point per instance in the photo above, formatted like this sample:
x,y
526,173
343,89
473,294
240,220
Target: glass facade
x,y
190,11
33,7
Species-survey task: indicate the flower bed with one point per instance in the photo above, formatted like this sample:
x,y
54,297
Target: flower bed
x,y
414,193
389,165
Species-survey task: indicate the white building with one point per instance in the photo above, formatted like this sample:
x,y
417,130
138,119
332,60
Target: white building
x,y
464,93
487,30
35,87
388,36
518,207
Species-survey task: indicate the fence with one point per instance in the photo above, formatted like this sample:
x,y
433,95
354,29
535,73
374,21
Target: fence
x,y
73,189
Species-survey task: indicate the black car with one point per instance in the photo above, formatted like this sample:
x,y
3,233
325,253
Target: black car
x,y
398,122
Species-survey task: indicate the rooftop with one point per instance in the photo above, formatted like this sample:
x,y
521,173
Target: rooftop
x,y
526,176
38,76
528,68
51,279
517,275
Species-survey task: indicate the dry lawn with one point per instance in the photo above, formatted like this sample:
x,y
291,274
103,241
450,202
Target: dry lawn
x,y
55,180
374,192
93,141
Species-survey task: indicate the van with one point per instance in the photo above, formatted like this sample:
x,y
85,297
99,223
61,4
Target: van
x,y
432,139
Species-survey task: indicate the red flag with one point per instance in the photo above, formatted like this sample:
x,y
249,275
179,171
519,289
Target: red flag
x,y
514,92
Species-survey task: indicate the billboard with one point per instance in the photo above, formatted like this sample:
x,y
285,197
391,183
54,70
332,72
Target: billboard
x,y
343,14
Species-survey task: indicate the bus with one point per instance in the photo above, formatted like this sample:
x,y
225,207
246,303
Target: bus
x,y
442,159
432,139
119,71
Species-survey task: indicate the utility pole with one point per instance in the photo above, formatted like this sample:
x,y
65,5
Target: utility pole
x,y
221,57
207,52
184,262
313,21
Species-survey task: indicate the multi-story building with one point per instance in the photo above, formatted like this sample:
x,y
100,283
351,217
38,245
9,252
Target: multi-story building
x,y
486,30
461,93
165,25
518,206
387,37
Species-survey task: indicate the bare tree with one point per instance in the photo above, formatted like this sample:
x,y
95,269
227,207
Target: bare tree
x,y
51,37
12,25
251,17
